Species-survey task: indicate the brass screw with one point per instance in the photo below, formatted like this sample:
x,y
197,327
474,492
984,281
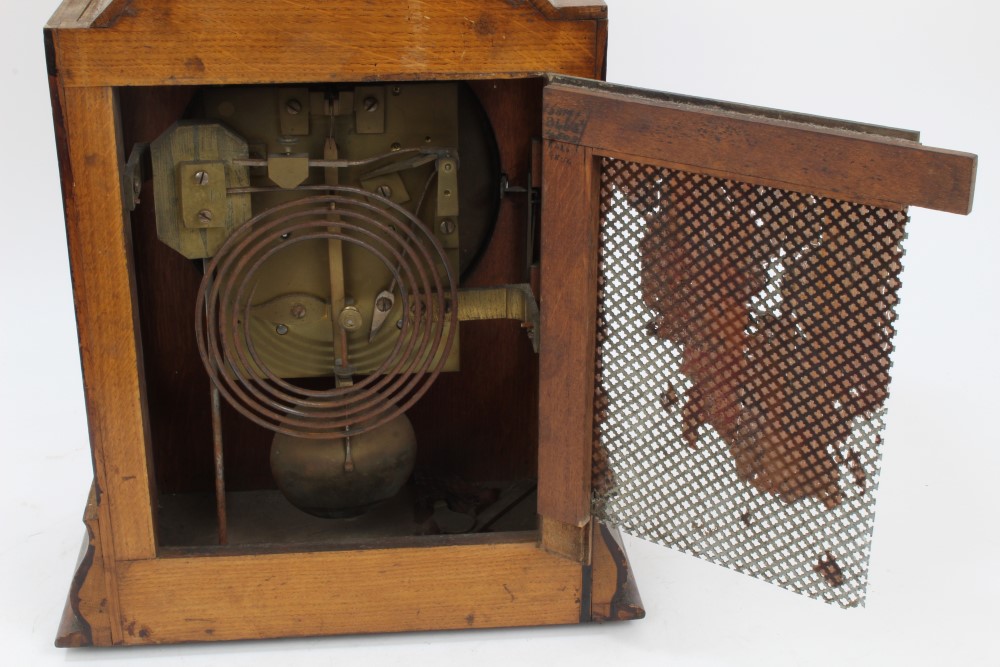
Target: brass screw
x,y
396,146
384,191
383,304
204,216
448,166
298,311
370,104
447,226
201,177
293,107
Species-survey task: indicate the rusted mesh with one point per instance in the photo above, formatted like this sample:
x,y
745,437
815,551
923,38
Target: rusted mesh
x,y
742,371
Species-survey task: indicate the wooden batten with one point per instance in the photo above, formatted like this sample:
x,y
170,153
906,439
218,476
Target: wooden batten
x,y
568,306
148,42
349,592
105,309
817,158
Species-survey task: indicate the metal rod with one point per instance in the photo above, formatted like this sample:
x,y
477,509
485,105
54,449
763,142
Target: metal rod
x,y
339,164
275,188
220,471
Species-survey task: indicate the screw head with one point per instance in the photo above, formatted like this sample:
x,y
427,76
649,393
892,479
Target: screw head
x,y
448,166
298,311
384,191
201,177
383,304
396,146
281,329
395,90
204,216
447,226
293,107
399,324
370,104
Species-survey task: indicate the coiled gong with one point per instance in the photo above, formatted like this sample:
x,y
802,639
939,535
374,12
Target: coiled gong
x,y
262,314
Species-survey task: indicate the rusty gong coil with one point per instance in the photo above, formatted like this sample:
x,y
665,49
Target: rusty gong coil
x,y
401,242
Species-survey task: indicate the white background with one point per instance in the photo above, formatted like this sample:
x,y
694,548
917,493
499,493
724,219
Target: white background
x,y
935,575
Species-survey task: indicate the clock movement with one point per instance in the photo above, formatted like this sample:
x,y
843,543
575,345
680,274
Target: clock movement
x,y
397,334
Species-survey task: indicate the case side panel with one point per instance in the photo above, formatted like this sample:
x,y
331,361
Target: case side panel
x,y
105,305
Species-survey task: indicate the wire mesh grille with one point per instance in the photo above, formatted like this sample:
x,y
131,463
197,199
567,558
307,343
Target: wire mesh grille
x,y
743,364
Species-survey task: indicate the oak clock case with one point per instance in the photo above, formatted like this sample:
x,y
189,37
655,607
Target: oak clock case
x,y
427,341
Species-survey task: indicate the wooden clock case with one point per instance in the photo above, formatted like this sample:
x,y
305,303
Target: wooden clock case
x,y
122,71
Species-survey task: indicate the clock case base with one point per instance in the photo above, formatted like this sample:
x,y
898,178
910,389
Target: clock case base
x,y
485,581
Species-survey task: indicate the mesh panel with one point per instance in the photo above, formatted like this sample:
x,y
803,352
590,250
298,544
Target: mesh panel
x,y
742,368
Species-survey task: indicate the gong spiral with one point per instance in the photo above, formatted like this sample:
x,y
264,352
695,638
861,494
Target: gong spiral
x,y
427,324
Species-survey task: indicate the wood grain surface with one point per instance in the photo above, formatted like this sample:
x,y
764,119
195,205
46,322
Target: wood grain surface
x,y
568,329
81,13
104,295
325,593
614,594
795,155
150,42
91,604
572,9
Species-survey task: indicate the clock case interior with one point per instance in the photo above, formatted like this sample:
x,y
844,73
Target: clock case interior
x,y
476,427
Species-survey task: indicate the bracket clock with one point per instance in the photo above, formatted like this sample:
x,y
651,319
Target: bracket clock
x,y
392,315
